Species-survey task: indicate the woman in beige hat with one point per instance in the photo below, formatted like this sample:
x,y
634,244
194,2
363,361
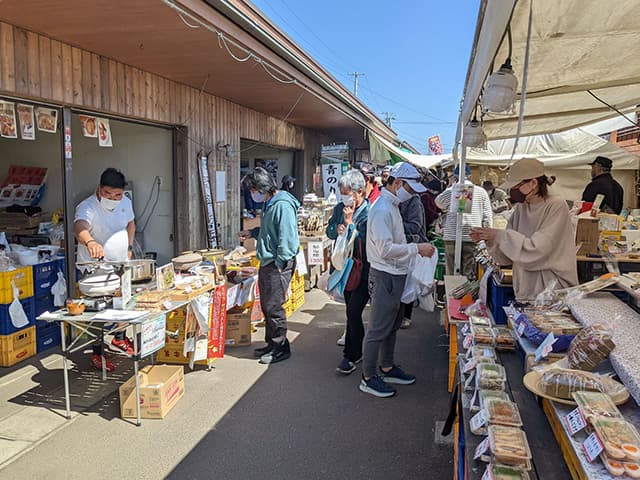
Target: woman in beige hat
x,y
539,239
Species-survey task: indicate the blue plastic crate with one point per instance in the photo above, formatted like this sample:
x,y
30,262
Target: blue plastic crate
x,y
499,296
45,275
6,327
44,303
48,340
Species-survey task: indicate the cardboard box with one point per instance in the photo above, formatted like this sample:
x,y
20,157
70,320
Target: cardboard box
x,y
161,386
238,329
587,236
173,353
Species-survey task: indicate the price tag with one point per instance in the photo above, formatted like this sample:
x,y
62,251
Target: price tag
x,y
545,347
167,305
198,284
470,365
487,353
465,329
468,341
481,449
574,421
479,420
521,328
592,447
488,474
469,381
473,399
188,289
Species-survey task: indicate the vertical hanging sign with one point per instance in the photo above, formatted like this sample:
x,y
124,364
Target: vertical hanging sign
x,y
207,197
67,142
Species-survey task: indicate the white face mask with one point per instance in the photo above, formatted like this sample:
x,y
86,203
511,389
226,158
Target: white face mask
x,y
258,197
109,204
347,200
403,195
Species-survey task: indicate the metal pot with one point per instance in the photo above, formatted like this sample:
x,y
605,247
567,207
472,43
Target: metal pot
x,y
142,270
99,283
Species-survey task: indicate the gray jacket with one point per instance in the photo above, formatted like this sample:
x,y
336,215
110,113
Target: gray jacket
x,y
414,220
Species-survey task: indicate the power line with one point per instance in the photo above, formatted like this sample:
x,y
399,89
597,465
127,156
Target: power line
x,y
388,118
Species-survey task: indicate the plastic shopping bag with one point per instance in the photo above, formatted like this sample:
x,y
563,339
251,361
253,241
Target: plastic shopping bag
x,y
59,291
340,250
16,312
420,280
338,278
200,308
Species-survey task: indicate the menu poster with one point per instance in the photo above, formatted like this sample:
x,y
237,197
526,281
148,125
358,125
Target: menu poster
x,y
27,122
47,119
89,126
104,133
8,120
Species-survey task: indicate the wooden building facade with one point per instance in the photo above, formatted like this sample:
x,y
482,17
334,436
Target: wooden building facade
x,y
39,69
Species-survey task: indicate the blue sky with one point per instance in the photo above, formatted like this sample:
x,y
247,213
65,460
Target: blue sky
x,y
414,54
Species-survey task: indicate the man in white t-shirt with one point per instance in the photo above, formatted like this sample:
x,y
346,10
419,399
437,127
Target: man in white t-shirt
x,y
105,228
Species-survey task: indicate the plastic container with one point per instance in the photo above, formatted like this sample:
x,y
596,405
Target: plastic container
x,y
504,472
477,351
509,446
594,404
619,438
480,321
482,335
504,338
502,412
490,377
486,395
23,279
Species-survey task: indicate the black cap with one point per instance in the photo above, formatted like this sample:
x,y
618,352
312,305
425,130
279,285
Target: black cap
x,y
603,162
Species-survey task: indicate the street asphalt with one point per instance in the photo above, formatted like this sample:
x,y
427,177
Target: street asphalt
x,y
294,420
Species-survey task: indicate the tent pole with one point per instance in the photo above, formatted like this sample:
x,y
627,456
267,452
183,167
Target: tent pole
x,y
457,191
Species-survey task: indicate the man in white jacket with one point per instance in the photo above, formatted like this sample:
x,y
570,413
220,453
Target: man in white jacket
x,y
389,256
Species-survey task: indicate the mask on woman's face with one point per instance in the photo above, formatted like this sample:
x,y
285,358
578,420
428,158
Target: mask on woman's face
x,y
347,200
516,195
258,197
403,195
109,204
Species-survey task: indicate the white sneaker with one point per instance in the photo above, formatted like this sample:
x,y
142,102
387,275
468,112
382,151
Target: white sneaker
x,y
406,323
342,339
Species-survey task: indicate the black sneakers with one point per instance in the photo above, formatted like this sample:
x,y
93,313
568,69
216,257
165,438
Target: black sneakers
x,y
259,352
277,354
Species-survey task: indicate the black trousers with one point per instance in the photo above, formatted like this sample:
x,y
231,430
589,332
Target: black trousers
x,y
356,301
273,286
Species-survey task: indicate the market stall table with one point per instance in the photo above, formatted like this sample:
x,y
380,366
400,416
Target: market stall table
x,y
592,267
149,329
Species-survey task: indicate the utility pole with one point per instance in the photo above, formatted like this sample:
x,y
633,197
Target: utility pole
x,y
388,117
355,76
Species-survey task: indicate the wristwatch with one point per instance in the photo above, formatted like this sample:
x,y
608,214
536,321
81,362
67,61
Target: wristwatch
x,y
130,248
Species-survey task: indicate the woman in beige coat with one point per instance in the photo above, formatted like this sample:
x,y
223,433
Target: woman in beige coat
x,y
539,239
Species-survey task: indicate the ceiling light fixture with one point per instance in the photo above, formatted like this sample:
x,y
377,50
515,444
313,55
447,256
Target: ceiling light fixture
x,y
473,135
499,95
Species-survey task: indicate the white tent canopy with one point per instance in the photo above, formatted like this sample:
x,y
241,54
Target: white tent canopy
x,y
571,149
380,153
577,46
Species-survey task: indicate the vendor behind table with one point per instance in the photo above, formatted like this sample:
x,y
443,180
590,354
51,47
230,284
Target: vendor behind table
x,y
104,226
539,239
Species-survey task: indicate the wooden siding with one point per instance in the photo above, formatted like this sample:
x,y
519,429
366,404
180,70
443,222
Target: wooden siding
x,y
41,69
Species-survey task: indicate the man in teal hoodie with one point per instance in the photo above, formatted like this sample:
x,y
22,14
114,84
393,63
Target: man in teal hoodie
x,y
277,246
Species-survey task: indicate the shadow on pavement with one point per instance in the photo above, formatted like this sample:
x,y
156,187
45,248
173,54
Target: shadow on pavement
x,y
301,420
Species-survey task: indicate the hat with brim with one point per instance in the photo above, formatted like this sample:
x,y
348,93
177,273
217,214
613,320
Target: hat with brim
x,y
524,169
407,172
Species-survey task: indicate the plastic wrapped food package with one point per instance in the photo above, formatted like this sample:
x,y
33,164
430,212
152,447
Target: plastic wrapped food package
x,y
557,322
483,351
480,321
482,335
590,347
504,338
619,438
504,472
486,395
490,377
509,446
562,383
503,412
593,404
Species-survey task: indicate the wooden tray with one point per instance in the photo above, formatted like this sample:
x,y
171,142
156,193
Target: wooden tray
x,y
183,296
533,379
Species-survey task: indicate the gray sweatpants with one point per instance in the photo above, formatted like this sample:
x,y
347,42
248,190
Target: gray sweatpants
x,y
384,321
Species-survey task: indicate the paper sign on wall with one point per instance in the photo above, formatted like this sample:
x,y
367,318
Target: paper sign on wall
x,y
221,186
316,253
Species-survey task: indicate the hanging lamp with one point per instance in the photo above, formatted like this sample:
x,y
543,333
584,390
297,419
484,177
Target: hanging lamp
x,y
499,95
473,135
